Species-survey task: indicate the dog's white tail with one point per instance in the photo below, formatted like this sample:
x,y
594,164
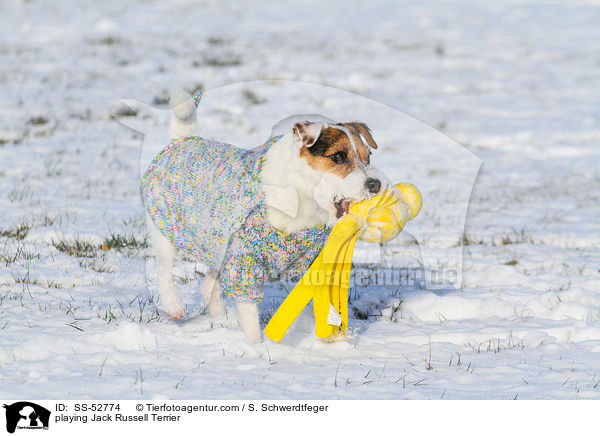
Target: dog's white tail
x,y
184,122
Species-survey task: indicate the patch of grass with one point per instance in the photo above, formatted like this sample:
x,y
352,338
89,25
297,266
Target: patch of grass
x,y
48,221
73,324
428,365
107,40
230,61
10,295
213,40
20,192
496,345
86,249
140,310
19,232
386,308
511,262
124,111
359,314
469,240
518,237
54,285
20,254
77,248
37,121
12,138
102,268
162,99
26,279
187,279
96,265
226,60
116,241
252,98
441,125
395,308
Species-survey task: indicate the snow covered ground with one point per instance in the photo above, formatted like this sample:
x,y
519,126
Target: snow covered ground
x,y
517,84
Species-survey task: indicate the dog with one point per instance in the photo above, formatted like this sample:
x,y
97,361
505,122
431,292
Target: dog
x,y
251,215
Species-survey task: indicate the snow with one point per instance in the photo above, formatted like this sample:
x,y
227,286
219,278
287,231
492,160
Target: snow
x,y
490,109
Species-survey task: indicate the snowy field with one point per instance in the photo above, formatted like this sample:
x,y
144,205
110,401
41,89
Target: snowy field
x,y
516,84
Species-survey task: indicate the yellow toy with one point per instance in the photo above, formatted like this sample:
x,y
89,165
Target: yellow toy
x,y
377,220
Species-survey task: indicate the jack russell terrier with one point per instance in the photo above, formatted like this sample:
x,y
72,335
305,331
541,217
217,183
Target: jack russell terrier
x,y
255,215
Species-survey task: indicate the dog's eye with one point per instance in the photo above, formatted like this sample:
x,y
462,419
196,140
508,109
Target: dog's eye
x,y
339,157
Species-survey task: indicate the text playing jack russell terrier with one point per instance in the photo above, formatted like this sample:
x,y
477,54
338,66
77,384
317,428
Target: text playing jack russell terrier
x,y
255,215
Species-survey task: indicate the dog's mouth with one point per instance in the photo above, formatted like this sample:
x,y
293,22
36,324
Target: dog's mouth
x,y
341,207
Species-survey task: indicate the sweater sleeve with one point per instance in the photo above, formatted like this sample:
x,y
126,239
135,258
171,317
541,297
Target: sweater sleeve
x,y
244,270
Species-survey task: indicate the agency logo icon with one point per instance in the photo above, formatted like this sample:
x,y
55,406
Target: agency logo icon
x,y
26,415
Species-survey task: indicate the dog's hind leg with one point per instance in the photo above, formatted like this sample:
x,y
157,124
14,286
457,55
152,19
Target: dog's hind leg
x,y
211,292
164,252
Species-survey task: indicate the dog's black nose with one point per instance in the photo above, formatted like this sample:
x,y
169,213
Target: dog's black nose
x,y
373,185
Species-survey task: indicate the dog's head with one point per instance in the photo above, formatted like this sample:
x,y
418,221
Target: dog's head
x,y
339,155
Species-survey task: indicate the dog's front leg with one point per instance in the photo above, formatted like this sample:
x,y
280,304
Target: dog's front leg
x,y
248,313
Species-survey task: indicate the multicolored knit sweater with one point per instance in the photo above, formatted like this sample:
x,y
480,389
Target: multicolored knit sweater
x,y
206,197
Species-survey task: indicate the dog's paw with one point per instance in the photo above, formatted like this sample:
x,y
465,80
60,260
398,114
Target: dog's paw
x,y
173,307
176,315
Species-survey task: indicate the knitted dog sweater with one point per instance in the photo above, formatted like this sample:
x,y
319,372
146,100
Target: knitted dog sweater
x,y
206,197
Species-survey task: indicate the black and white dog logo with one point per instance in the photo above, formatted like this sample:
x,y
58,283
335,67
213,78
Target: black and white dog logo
x,y
25,415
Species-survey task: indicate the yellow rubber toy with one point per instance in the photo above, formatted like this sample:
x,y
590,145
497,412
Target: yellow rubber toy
x,y
378,219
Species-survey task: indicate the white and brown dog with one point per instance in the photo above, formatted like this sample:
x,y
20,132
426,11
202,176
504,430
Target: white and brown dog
x,y
290,191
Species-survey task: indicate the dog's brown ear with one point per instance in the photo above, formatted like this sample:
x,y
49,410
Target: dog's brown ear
x,y
307,133
362,130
